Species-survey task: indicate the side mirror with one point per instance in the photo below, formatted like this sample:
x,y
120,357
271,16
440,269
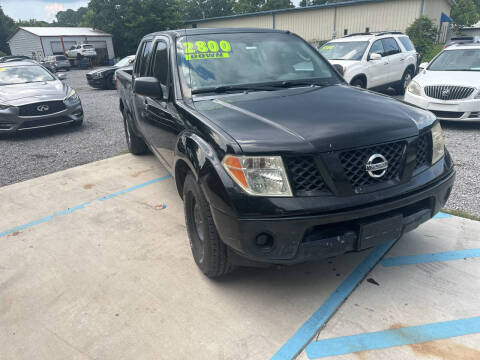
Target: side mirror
x,y
423,66
339,69
62,76
375,56
148,86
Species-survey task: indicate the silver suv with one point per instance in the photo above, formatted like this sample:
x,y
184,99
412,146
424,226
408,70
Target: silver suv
x,y
374,60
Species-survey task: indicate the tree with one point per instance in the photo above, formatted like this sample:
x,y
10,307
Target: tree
x,y
423,34
70,17
32,22
465,13
277,4
201,9
247,6
7,27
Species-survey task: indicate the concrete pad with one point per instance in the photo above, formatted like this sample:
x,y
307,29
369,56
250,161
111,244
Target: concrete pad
x,y
404,296
112,277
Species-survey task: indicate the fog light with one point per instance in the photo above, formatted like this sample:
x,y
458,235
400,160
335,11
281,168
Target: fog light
x,y
264,240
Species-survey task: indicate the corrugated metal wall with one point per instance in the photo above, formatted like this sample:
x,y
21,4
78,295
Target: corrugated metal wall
x,y
25,43
311,25
264,21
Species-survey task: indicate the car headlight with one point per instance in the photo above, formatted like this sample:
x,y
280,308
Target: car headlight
x,y
438,143
258,175
415,88
97,75
72,98
4,106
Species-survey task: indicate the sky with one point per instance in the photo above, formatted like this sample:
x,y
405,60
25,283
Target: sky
x,y
44,9
38,9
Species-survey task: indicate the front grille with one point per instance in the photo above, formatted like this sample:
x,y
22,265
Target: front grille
x,y
448,114
424,150
354,162
42,108
306,179
447,92
44,122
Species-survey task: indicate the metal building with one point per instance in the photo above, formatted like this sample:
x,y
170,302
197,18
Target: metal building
x,y
38,42
323,22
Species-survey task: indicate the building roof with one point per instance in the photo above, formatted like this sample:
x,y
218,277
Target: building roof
x,y
307,8
61,31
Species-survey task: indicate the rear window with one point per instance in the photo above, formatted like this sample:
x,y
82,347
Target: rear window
x,y
60,57
407,44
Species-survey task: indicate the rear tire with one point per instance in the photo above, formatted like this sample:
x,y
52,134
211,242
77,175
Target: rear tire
x,y
135,144
401,87
359,82
209,252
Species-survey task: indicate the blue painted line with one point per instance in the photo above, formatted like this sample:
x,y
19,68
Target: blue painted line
x,y
428,258
310,328
442,215
395,337
79,207
136,187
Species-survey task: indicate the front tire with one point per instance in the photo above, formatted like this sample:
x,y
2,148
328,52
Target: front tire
x,y
407,77
209,252
358,82
135,144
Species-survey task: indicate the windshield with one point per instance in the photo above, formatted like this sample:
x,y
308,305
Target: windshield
x,y
23,75
125,61
457,60
352,50
220,60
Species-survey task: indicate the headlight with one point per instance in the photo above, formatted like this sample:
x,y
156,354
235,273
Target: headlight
x,y
97,75
415,88
258,175
438,143
72,98
4,106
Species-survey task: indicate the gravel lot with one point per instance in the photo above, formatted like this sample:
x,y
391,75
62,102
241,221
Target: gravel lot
x,y
32,154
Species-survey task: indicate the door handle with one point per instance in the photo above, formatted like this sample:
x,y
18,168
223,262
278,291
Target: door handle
x,y
402,59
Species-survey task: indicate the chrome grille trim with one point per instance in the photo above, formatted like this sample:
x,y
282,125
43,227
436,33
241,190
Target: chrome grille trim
x,y
448,92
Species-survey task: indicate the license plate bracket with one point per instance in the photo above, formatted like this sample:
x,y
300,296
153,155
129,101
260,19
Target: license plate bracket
x,y
376,232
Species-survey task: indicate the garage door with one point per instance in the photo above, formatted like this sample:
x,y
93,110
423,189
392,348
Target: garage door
x,y
56,47
102,53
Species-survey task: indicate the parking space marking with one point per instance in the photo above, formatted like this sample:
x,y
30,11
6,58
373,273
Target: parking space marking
x,y
394,337
429,258
311,327
81,206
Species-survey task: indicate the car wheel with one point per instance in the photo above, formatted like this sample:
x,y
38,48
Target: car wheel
x,y
209,252
407,77
135,144
358,82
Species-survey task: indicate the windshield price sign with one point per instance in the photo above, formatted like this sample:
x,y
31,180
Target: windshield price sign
x,y
207,50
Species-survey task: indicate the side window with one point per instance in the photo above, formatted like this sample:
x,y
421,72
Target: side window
x,y
141,67
407,44
377,48
160,64
391,46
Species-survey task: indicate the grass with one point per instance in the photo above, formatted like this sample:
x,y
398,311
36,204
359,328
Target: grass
x,y
461,213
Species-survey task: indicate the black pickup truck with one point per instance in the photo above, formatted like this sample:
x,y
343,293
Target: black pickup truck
x,y
276,158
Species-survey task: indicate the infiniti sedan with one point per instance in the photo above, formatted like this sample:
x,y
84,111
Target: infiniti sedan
x,y
31,97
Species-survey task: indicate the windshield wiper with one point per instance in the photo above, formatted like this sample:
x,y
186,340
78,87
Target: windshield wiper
x,y
293,83
226,88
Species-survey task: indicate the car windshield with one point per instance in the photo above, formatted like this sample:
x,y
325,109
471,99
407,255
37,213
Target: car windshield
x,y
214,61
61,57
124,62
23,74
351,50
457,60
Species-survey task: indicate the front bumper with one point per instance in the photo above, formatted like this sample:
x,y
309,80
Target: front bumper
x,y
453,110
98,83
10,121
300,238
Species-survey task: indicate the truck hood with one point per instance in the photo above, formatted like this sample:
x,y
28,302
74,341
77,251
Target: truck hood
x,y
345,63
20,94
312,119
459,78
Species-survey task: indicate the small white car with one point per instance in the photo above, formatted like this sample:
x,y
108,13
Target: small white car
x,y
81,51
374,60
450,85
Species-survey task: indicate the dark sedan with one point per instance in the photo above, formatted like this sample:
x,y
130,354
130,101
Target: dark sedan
x,y
104,78
32,97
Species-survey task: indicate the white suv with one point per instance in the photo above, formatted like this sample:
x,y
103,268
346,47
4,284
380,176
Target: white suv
x,y
450,85
81,51
374,60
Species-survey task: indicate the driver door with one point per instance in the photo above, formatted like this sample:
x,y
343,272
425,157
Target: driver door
x,y
377,70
